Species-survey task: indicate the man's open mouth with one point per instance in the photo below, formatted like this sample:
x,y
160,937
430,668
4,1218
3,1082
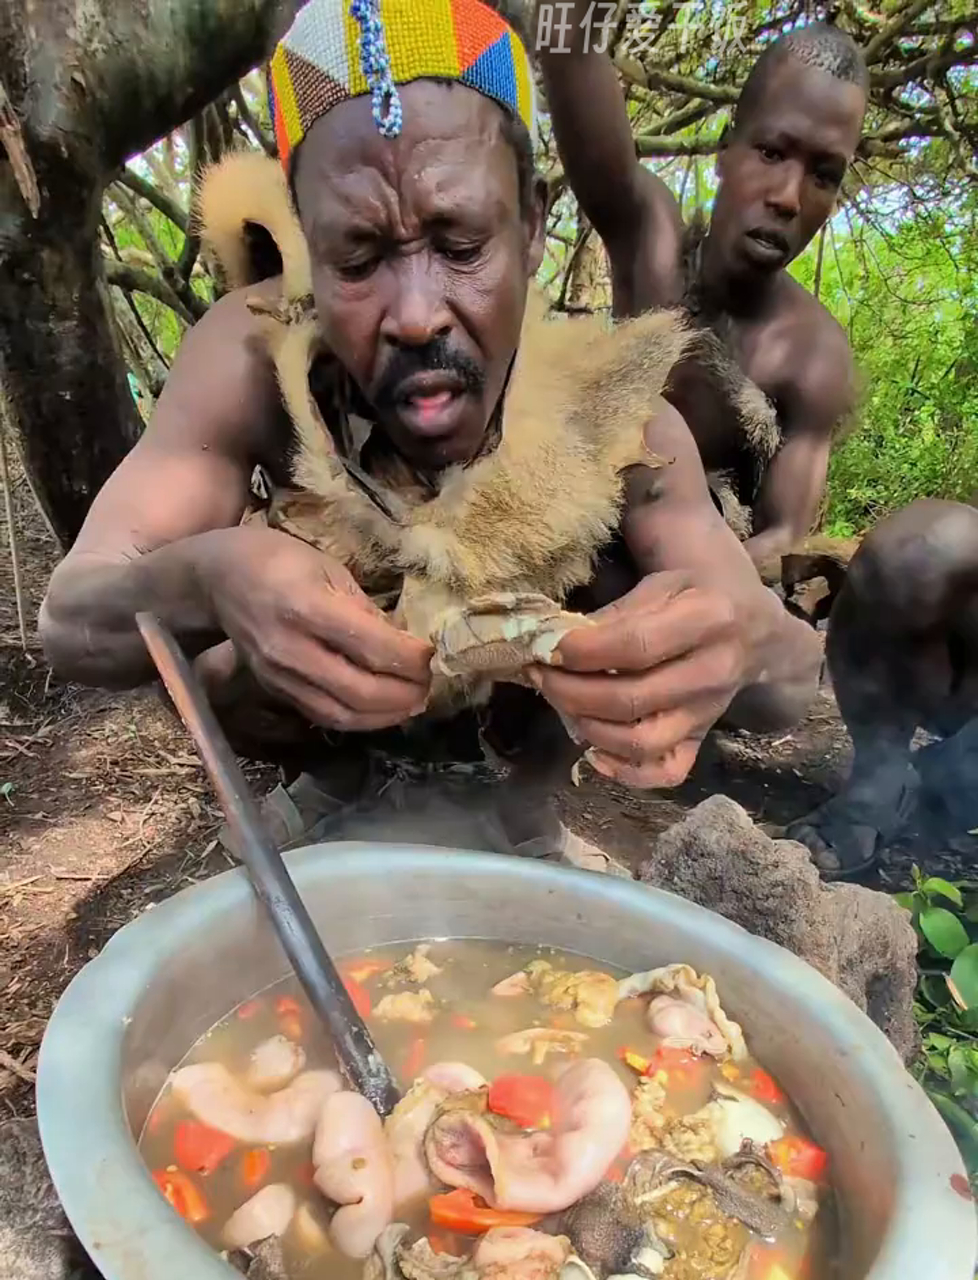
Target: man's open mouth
x,y
769,242
429,404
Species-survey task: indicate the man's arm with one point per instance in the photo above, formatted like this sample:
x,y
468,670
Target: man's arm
x,y
698,639
144,539
633,211
814,402
164,536
671,523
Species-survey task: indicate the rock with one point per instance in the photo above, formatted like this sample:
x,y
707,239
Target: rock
x,y
858,938
36,1242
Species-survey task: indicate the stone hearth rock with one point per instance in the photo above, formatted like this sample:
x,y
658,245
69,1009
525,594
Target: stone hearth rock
x,y
858,938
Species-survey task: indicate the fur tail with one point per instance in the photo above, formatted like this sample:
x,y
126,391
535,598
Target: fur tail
x,y
247,188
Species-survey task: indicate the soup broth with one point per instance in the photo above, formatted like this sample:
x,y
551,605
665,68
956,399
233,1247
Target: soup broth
x,y
519,1017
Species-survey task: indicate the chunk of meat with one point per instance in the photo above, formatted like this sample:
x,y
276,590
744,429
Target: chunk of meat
x,y
454,1077
685,985
406,1125
683,1026
598,1230
263,1261
519,1253
353,1168
539,1172
648,1114
383,1261
589,994
653,1172
539,1041
267,1213
735,1119
215,1097
407,1006
417,968
503,1253
274,1064
517,984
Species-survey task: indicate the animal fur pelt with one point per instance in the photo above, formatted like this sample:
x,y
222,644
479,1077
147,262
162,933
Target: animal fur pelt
x,y
528,518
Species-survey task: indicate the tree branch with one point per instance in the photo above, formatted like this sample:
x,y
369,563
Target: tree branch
x,y
655,78
648,145
877,47
190,303
130,303
154,196
245,113
135,280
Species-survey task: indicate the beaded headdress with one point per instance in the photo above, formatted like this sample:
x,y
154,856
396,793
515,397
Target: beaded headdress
x,y
340,49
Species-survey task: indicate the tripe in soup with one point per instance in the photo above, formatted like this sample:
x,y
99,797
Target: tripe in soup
x,y
559,1121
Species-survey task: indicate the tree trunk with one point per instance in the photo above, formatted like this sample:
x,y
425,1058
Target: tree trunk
x,y
91,82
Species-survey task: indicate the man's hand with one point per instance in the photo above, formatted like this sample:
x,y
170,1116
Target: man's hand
x,y
644,685
309,634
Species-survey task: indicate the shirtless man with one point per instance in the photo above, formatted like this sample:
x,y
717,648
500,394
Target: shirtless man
x,y
781,163
902,651
423,247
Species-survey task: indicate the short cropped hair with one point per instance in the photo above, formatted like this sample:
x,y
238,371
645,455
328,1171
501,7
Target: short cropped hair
x,y
819,45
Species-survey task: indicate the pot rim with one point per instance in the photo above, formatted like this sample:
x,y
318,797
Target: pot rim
x,y
94,1161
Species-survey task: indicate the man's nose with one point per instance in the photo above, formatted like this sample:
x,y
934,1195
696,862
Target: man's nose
x,y
784,196
417,311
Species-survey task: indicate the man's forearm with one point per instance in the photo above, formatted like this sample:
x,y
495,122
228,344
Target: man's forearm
x,y
766,547
87,620
784,662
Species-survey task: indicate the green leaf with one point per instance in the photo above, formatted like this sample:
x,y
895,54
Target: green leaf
x,y
935,1040
944,931
934,885
904,900
963,978
934,991
962,1068
962,1126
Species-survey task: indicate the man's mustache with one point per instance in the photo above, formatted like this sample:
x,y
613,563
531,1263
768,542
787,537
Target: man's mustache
x,y
434,356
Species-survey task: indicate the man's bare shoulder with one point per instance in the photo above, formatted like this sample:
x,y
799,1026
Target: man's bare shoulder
x,y
222,390
811,327
818,371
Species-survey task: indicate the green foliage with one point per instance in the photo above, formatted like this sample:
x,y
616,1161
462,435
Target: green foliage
x,y
907,294
945,916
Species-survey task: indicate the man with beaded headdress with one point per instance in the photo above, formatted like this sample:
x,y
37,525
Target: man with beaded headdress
x,y
462,498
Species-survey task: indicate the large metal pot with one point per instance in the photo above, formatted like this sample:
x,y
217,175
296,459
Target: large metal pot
x,y
132,1013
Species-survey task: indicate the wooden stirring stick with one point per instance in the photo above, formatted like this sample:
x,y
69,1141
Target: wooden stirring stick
x,y
359,1060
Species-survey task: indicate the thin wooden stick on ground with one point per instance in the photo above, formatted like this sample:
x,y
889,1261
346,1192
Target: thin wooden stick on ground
x,y
8,1063
12,534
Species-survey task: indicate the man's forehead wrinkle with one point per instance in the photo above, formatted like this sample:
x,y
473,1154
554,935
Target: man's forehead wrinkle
x,y
434,181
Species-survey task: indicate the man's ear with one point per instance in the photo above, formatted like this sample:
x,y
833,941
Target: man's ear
x,y
536,221
721,150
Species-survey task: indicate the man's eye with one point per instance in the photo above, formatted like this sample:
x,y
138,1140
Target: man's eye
x,y
461,252
828,177
358,270
771,154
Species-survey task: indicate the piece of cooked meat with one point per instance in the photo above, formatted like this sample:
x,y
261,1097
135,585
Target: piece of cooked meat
x,y
539,1041
589,994
599,1232
407,1006
416,968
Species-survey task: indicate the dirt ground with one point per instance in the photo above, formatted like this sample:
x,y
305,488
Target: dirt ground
x,y
105,810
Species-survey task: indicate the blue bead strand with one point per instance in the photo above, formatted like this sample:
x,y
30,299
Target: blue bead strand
x,y
376,66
